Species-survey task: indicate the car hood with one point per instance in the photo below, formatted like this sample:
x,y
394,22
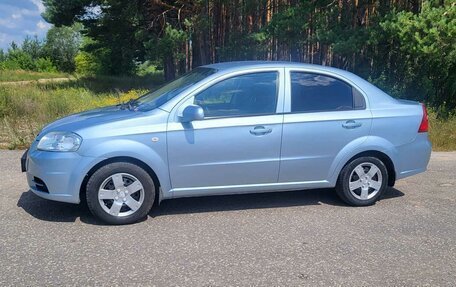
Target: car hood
x,y
89,118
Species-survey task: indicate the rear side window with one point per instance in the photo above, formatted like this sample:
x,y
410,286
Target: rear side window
x,y
245,95
358,100
318,93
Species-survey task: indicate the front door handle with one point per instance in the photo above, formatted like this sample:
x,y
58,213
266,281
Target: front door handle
x,y
260,130
351,124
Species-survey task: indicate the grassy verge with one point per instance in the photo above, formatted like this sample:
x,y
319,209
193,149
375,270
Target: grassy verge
x,y
19,75
442,133
25,109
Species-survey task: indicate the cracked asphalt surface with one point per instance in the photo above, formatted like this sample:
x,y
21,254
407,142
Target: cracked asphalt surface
x,y
273,239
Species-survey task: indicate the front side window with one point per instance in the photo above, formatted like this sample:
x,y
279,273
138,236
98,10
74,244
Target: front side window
x,y
244,95
317,93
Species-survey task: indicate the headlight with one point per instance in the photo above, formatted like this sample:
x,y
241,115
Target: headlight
x,y
60,141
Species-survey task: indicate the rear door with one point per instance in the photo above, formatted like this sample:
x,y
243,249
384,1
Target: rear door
x,y
323,114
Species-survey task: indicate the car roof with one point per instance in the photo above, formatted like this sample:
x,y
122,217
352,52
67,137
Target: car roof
x,y
240,65
227,67
245,64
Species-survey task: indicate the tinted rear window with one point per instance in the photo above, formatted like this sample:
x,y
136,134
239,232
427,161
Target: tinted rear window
x,y
314,92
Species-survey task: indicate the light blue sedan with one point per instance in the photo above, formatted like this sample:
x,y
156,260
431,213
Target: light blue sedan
x,y
231,128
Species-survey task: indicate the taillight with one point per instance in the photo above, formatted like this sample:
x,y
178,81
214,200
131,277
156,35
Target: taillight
x,y
424,126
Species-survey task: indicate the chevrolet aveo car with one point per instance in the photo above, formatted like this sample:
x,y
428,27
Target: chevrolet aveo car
x,y
232,128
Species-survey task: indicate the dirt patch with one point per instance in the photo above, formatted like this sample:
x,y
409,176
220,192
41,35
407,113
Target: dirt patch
x,y
39,81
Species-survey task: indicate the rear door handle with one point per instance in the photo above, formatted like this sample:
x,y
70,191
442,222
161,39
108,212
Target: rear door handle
x,y
351,124
260,130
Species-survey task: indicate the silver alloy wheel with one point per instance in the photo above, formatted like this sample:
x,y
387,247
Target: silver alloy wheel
x,y
121,194
365,181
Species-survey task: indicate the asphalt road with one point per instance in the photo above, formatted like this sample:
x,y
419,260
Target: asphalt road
x,y
274,239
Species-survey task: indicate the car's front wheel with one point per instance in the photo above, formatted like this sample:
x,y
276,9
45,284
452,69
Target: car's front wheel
x,y
362,181
120,193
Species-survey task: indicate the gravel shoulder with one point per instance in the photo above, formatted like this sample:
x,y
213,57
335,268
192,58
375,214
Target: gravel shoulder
x,y
274,239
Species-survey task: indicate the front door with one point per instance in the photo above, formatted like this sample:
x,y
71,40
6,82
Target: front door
x,y
237,145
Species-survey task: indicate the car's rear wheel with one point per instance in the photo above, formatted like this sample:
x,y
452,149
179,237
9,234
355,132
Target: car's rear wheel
x,y
120,193
362,181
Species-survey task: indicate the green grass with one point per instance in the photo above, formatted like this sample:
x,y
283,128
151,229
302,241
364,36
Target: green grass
x,y
442,132
19,75
25,109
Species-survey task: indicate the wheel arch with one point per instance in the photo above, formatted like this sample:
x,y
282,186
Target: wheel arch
x,y
128,159
381,156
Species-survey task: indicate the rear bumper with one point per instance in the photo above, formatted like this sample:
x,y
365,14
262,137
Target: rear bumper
x,y
413,158
57,175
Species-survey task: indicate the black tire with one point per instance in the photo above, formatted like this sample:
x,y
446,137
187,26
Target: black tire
x,y
127,170
348,174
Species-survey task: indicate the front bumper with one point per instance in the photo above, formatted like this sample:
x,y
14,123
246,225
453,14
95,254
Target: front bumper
x,y
24,161
56,175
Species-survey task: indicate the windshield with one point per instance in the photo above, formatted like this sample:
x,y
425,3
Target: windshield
x,y
156,98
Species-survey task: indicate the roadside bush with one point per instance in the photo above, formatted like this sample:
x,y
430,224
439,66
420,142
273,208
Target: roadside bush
x,y
45,65
18,59
87,64
9,65
149,69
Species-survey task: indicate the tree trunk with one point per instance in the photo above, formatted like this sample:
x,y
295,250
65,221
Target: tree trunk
x,y
169,67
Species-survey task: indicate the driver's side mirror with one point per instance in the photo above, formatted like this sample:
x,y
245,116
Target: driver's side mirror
x,y
192,113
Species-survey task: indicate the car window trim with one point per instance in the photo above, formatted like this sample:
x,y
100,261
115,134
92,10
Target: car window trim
x,y
277,114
